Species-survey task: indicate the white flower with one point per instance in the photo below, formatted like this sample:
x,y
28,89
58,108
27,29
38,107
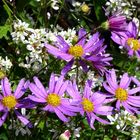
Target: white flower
x,y
5,64
124,6
54,4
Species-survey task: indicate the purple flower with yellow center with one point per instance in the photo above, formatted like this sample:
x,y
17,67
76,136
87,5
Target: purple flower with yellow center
x,y
53,98
90,103
121,93
82,52
129,40
11,101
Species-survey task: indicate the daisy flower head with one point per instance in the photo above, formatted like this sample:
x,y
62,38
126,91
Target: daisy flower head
x,y
79,52
121,92
91,104
10,101
53,99
129,40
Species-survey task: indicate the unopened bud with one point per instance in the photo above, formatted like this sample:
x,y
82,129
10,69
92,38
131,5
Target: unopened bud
x,y
105,25
2,74
65,136
85,8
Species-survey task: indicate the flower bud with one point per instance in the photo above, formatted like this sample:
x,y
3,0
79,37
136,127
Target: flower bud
x,y
65,136
105,25
85,8
2,74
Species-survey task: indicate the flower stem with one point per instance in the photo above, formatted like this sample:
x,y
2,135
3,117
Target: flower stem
x,y
77,72
12,118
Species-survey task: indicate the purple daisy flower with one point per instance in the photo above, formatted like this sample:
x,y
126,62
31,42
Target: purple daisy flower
x,y
129,39
121,93
82,52
90,103
53,98
11,101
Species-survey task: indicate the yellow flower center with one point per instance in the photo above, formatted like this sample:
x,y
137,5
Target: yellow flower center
x,y
76,51
9,101
87,105
85,8
133,43
121,94
53,99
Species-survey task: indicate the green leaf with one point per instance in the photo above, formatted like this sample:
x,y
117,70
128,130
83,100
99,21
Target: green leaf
x,y
106,137
3,136
99,10
4,29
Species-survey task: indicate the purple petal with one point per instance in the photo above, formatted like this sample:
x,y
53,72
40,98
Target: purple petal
x,y
20,87
66,112
125,81
113,77
73,92
71,108
98,98
118,105
1,107
104,110
135,103
46,108
87,91
119,38
108,88
58,53
3,118
109,100
59,83
60,115
63,88
132,29
134,97
134,90
136,81
23,119
67,67
63,43
84,65
92,120
95,47
126,106
35,99
81,37
36,91
6,89
91,41
110,81
99,119
39,85
52,83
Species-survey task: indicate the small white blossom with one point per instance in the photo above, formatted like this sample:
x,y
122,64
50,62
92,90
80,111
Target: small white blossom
x,y
124,6
5,64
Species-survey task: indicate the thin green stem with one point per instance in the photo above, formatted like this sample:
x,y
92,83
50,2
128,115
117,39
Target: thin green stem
x,y
62,4
12,118
77,72
9,9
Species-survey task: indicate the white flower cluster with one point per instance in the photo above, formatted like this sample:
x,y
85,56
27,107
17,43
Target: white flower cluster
x,y
97,80
125,6
123,120
5,64
34,40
